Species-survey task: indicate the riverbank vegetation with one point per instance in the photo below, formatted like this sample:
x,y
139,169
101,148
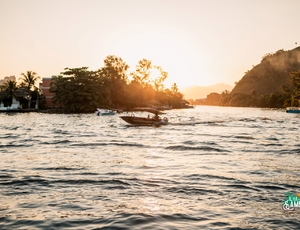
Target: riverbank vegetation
x,y
289,96
82,90
274,83
25,91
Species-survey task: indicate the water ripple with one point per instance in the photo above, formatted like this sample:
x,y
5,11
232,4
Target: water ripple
x,y
211,168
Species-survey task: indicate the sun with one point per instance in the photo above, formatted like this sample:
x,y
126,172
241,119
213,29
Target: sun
x,y
174,52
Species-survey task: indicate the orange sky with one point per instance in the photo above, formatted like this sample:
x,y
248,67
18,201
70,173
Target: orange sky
x,y
198,42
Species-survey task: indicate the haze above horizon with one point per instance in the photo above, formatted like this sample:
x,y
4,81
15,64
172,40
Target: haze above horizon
x,y
198,42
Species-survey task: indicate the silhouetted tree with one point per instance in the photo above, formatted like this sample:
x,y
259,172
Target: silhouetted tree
x,y
225,98
28,81
213,99
295,97
159,80
114,78
9,91
78,90
142,72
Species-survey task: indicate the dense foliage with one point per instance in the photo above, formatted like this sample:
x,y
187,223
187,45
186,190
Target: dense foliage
x,y
25,92
287,97
274,83
273,100
81,90
78,91
295,93
271,75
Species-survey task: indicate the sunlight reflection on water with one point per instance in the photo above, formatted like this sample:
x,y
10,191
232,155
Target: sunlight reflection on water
x,y
228,169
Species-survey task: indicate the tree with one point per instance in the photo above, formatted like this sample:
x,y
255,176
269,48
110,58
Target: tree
x,y
296,91
150,78
174,97
77,90
114,79
10,88
225,98
80,90
28,81
240,100
174,88
134,95
142,72
158,81
213,99
145,70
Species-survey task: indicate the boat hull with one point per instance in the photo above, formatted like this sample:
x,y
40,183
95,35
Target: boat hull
x,y
293,110
142,121
101,112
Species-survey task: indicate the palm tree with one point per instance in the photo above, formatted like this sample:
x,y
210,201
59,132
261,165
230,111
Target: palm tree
x,y
28,80
9,88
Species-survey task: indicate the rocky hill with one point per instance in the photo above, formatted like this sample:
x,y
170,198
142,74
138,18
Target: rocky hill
x,y
271,74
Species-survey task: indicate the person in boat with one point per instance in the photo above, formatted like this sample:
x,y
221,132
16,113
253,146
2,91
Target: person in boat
x,y
155,117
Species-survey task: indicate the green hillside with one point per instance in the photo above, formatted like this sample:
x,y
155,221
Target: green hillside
x,y
271,74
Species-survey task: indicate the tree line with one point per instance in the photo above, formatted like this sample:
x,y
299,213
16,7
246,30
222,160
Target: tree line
x,y
25,91
83,90
287,97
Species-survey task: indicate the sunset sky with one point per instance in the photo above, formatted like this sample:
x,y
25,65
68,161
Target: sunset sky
x,y
198,42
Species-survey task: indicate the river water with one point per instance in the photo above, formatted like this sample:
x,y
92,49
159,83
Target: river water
x,y
211,168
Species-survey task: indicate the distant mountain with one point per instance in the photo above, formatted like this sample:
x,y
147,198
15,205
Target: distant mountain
x,y
198,92
271,75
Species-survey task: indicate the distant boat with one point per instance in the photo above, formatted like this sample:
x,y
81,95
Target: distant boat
x,y
293,109
104,112
154,120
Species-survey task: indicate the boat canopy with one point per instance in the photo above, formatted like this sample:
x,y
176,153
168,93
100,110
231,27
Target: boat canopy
x,y
147,109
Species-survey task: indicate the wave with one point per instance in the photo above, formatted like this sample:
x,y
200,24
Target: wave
x,y
188,148
119,221
15,145
50,183
190,190
59,168
244,137
207,176
55,142
74,172
10,135
109,144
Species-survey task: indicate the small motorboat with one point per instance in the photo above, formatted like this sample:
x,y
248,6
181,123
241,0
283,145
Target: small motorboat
x,y
154,120
293,109
105,112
